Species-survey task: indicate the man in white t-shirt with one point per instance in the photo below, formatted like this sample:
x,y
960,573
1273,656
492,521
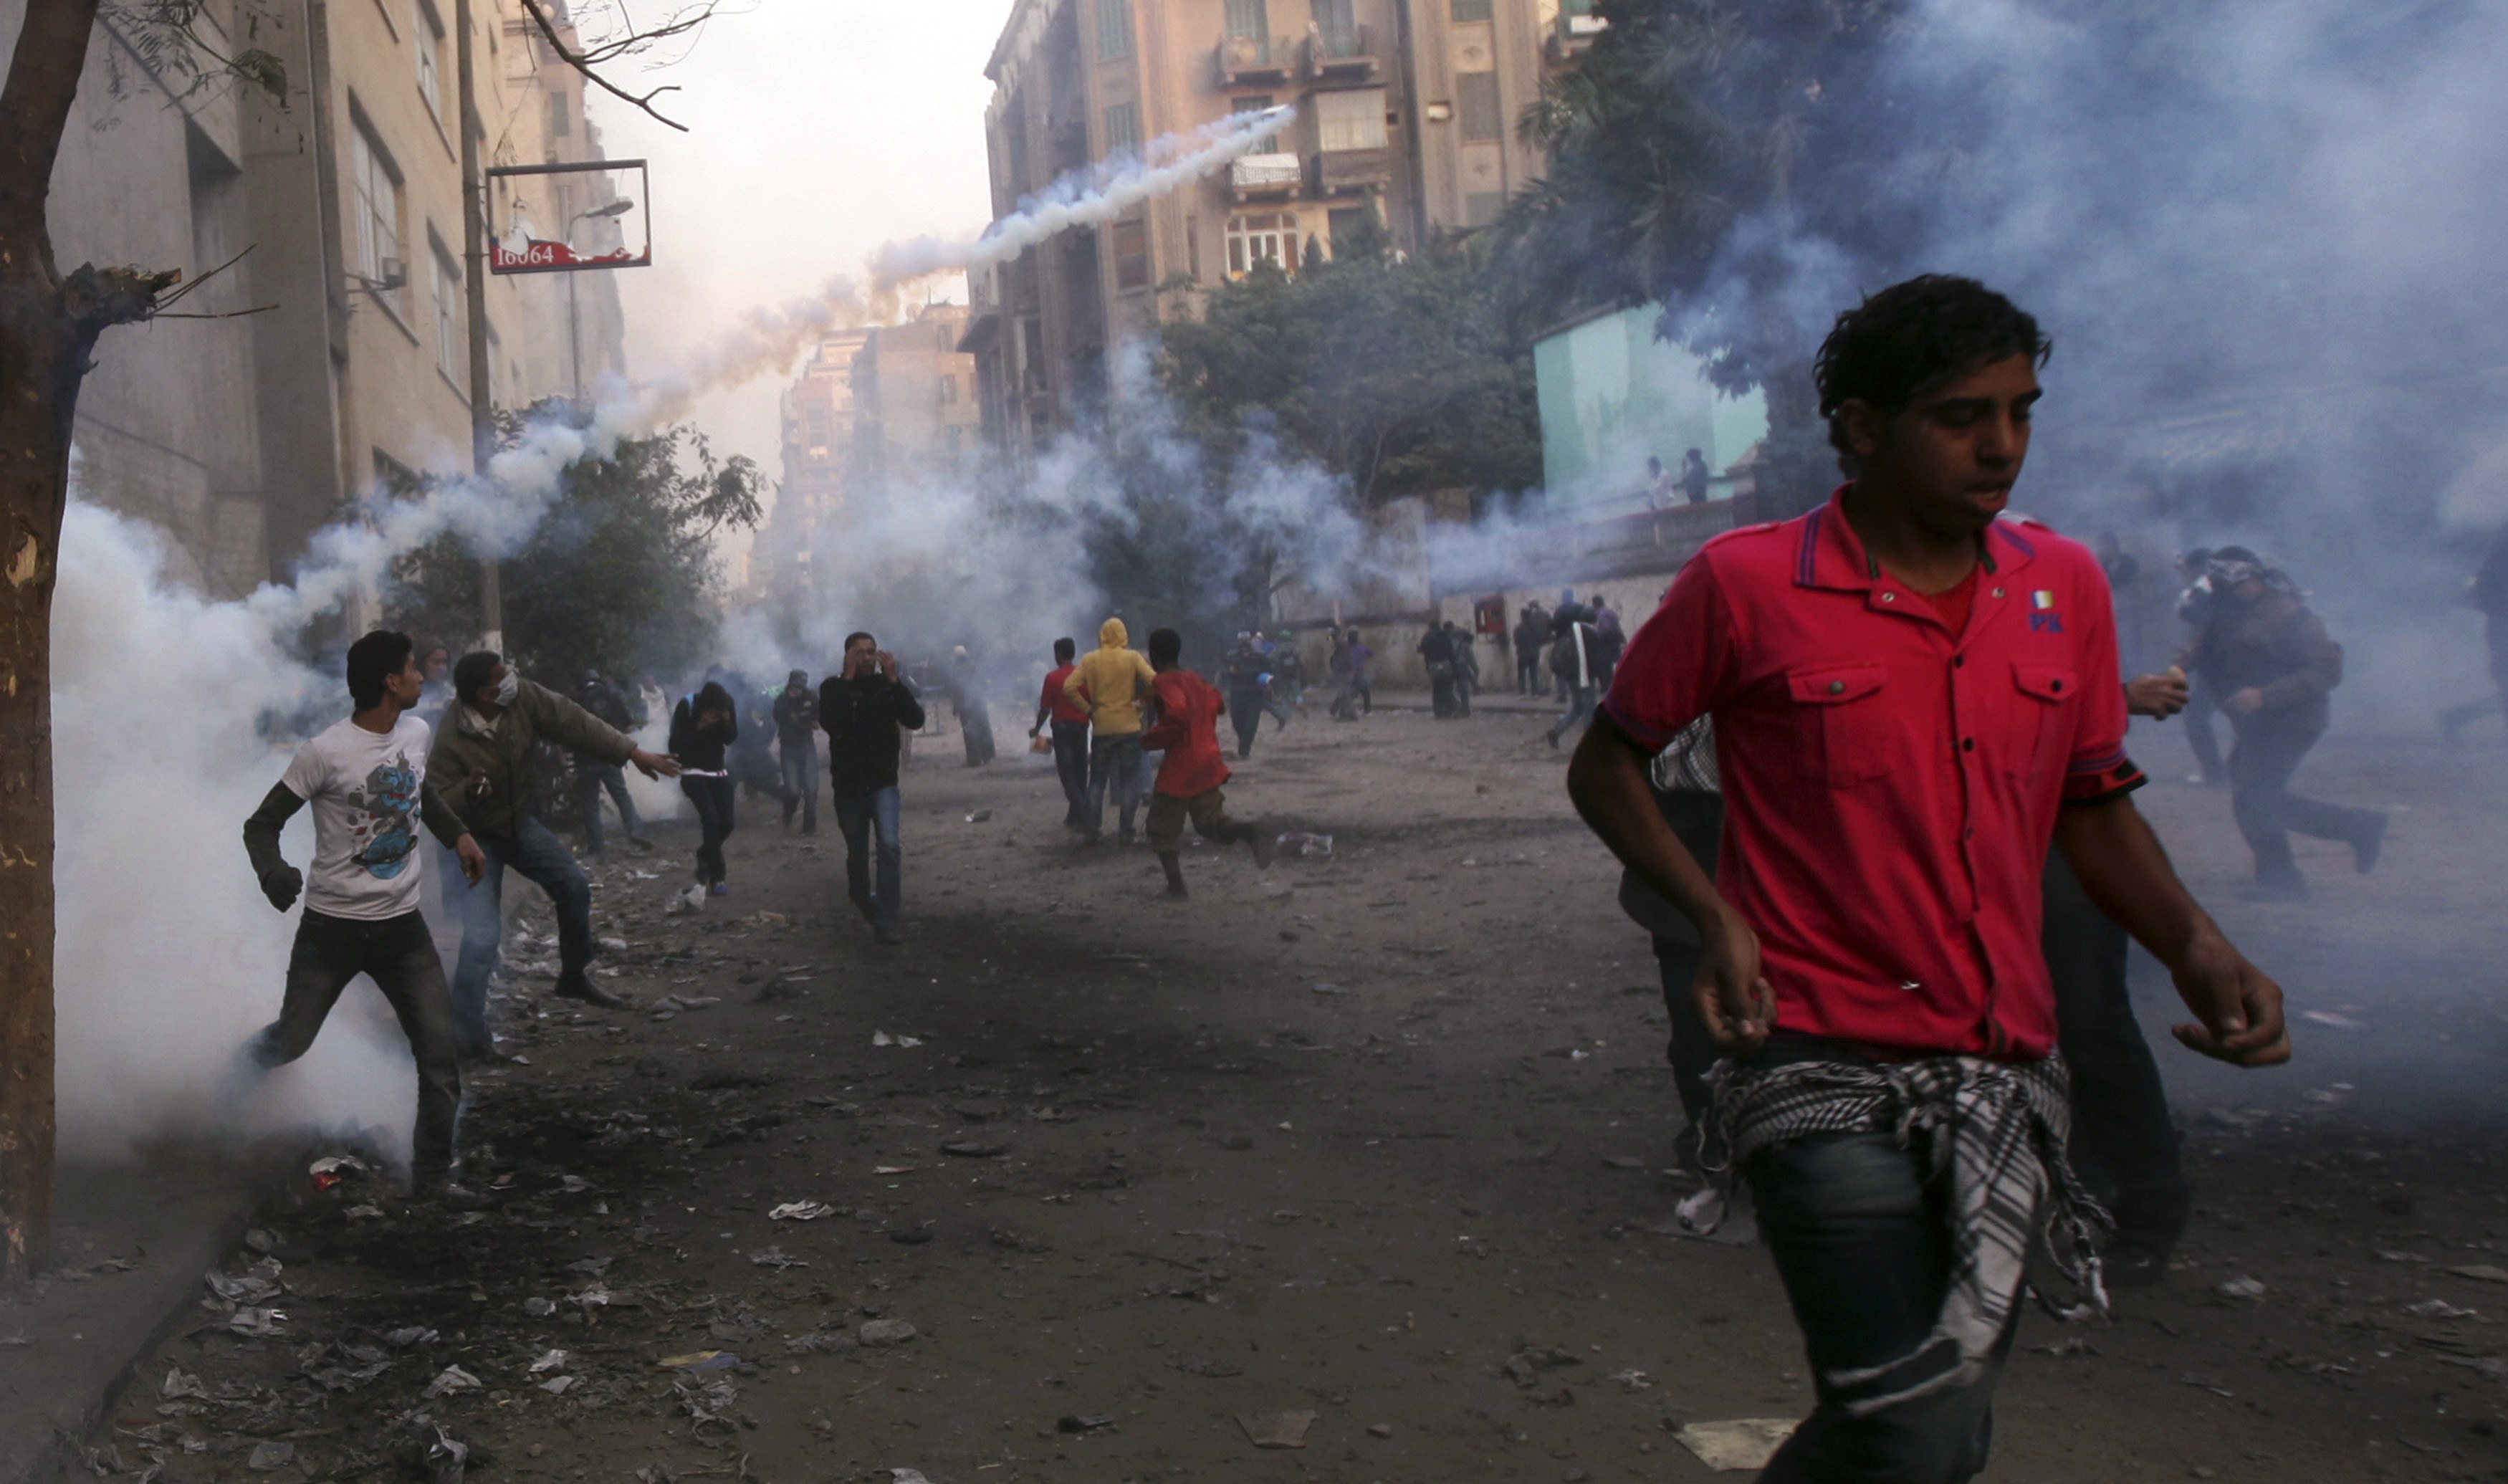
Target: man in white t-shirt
x,y
367,779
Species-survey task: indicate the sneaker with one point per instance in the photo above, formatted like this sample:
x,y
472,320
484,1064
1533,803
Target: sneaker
x,y
2365,849
869,914
887,937
1124,839
450,1194
1262,841
639,842
578,987
721,889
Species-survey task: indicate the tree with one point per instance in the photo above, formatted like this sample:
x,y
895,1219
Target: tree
x,y
50,325
1397,374
1700,152
619,575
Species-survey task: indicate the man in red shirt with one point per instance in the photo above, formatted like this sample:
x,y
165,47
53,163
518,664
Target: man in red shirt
x,y
1070,718
1189,710
1911,699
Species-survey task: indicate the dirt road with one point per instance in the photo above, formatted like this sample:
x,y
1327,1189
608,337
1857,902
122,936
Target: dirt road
x,y
1378,1138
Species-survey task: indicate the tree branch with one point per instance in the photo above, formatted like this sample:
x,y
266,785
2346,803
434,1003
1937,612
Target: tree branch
x,y
588,64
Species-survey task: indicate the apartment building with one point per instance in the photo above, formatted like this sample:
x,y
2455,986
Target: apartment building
x,y
818,419
240,437
1407,113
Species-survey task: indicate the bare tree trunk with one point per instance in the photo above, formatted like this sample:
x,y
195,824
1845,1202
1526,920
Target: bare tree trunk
x,y
48,326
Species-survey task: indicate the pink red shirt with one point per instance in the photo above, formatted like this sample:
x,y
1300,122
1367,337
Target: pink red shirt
x,y
1189,712
1892,785
1063,707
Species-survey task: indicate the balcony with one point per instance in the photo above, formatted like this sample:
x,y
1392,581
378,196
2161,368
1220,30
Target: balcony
x,y
1345,54
1348,171
1573,32
1264,177
1255,61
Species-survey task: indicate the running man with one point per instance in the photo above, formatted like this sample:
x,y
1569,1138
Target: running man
x,y
367,779
1912,699
1190,767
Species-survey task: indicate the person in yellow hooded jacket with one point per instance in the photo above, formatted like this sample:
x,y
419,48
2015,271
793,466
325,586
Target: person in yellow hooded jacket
x,y
1110,679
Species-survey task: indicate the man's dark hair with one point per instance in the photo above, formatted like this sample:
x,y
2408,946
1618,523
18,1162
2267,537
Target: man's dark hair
x,y
1064,649
1166,645
473,670
1909,339
858,634
373,660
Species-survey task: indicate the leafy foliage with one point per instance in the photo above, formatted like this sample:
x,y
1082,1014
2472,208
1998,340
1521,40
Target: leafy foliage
x,y
191,47
1701,152
1397,374
620,575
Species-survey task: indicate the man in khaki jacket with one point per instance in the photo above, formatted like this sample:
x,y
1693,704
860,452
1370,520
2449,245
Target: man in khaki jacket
x,y
485,754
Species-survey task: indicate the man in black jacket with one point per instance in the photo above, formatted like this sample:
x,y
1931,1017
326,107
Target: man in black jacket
x,y
862,710
797,744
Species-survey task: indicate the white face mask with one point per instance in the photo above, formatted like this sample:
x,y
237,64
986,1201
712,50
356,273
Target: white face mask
x,y
508,688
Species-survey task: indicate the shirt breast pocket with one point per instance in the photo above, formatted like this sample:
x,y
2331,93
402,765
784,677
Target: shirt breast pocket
x,y
1842,726
2044,699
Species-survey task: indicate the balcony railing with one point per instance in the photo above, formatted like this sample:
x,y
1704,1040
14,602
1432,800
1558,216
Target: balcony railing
x,y
1253,176
1344,171
1342,54
1255,59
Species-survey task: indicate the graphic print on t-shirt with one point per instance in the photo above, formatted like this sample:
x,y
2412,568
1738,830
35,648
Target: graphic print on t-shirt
x,y
384,817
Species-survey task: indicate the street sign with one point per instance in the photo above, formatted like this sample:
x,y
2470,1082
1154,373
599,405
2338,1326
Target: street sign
x,y
569,218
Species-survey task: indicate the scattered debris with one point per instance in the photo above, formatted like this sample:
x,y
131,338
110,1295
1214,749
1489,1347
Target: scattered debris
x,y
450,1380
980,816
1744,1442
688,899
1082,1423
256,1323
2437,1308
2242,1290
548,1362
1302,842
2482,1273
773,1257
972,1149
698,1362
800,1210
268,1458
876,1333
1276,1430
883,1038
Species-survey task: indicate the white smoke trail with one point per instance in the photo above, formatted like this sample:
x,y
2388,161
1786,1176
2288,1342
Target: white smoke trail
x,y
1085,198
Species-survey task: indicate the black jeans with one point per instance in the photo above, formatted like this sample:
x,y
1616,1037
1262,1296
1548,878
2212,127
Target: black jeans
x,y
1527,673
2267,752
1691,1051
1071,765
2124,1147
1864,1245
715,800
1246,714
399,955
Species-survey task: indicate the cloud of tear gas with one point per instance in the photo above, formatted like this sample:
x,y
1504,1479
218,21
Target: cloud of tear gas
x,y
1123,516
2262,235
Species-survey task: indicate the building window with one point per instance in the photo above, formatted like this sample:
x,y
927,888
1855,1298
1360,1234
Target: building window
x,y
1247,17
1113,29
1262,238
444,286
427,39
1193,248
1258,102
560,114
1476,101
1347,121
1470,10
377,225
1131,255
1123,129
1482,208
1346,223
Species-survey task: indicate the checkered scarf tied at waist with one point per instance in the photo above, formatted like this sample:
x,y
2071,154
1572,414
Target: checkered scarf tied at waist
x,y
1997,1128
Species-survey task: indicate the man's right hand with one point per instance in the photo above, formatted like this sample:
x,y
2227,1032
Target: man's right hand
x,y
887,664
1733,996
654,764
281,885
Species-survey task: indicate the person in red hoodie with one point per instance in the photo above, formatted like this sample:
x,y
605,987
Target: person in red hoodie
x,y
1191,772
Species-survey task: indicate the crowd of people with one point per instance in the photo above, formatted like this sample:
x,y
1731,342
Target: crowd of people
x,y
1864,771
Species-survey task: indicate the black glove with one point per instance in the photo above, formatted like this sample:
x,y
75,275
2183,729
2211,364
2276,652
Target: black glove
x,y
280,884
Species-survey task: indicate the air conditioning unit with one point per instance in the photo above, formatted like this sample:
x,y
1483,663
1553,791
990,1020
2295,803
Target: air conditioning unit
x,y
395,274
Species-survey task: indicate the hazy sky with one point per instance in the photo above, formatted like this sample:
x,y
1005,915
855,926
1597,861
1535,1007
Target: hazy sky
x,y
818,130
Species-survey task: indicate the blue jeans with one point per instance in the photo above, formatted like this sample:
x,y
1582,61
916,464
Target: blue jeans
x,y
857,817
591,779
1071,765
1114,762
1580,708
538,856
801,782
1863,1248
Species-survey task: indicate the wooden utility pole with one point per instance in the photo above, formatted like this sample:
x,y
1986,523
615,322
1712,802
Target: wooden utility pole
x,y
474,280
